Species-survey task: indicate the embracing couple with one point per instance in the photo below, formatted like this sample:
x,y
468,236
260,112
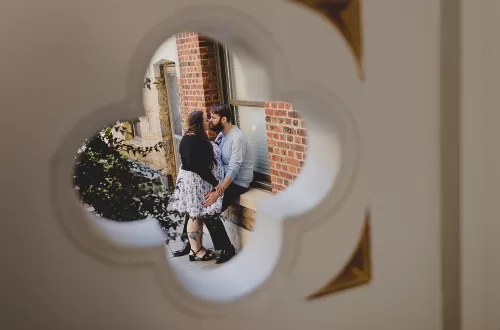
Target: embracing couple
x,y
212,177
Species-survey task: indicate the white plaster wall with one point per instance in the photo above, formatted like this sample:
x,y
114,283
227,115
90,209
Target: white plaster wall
x,y
150,123
166,51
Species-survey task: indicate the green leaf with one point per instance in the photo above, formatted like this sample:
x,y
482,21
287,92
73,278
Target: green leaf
x,y
108,181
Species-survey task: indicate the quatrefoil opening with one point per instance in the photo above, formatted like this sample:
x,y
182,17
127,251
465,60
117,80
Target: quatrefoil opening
x,y
323,184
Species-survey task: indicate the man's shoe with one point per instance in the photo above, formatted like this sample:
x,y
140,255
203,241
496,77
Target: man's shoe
x,y
226,255
182,252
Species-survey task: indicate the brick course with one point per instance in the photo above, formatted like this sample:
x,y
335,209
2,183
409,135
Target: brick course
x,y
287,143
198,73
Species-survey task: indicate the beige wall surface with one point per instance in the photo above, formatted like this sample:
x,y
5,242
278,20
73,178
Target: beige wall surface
x,y
374,143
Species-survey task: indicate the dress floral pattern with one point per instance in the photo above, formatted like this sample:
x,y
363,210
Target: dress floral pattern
x,y
190,190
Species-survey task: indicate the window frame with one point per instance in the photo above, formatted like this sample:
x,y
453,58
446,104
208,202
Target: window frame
x,y
136,134
261,180
170,68
130,134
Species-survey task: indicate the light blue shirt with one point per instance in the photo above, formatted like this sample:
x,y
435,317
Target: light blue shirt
x,y
237,158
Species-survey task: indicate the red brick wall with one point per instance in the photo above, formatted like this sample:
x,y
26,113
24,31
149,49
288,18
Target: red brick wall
x,y
198,73
287,143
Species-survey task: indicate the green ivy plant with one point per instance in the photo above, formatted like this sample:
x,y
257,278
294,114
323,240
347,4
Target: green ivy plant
x,y
148,83
119,188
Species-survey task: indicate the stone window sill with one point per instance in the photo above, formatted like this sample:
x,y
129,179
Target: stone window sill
x,y
135,141
252,197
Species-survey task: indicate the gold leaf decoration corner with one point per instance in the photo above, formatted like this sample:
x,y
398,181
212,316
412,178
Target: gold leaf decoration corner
x,y
356,272
345,15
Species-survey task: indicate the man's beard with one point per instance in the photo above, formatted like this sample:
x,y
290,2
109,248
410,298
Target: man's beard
x,y
217,127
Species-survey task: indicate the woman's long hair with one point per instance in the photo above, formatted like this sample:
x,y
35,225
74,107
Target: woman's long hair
x,y
195,127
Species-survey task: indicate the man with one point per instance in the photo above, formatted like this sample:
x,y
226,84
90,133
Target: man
x,y
237,158
237,161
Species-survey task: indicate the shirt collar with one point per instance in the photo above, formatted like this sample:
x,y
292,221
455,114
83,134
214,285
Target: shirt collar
x,y
219,137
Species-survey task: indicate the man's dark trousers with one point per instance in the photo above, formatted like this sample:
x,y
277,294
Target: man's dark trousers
x,y
215,226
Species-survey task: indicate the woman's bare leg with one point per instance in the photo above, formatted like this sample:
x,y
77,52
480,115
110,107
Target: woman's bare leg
x,y
195,236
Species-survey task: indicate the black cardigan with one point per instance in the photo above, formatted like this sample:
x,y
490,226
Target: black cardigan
x,y
196,156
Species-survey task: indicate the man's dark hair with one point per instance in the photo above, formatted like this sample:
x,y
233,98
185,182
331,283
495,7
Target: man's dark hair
x,y
222,110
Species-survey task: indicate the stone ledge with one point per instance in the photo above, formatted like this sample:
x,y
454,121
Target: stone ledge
x,y
252,197
243,212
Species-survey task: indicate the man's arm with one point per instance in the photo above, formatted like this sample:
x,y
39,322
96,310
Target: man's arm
x,y
238,150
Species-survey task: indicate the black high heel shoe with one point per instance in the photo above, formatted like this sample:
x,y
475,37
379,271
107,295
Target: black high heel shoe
x,y
209,255
182,252
226,255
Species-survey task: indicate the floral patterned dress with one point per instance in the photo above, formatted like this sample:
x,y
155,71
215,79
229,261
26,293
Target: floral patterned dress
x,y
191,189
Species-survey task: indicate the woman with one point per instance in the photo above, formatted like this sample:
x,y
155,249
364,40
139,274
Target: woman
x,y
200,173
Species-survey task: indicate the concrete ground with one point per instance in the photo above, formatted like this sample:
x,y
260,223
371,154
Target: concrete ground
x,y
182,263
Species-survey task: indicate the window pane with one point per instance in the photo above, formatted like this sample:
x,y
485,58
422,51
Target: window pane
x,y
173,101
252,121
137,129
249,81
177,142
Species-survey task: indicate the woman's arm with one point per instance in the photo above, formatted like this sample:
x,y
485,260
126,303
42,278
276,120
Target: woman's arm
x,y
198,165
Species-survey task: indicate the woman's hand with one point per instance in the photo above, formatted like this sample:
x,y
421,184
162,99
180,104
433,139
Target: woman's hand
x,y
211,198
